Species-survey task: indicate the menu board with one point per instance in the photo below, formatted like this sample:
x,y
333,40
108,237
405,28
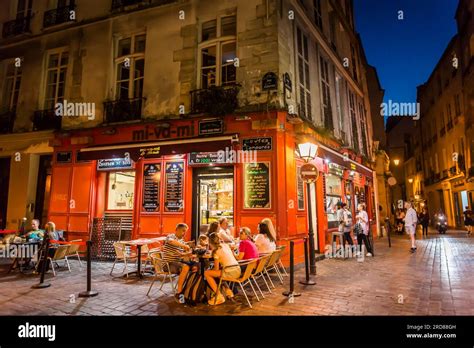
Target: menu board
x,y
151,187
174,173
257,185
300,189
257,144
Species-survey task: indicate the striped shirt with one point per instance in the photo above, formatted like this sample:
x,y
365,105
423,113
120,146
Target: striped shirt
x,y
172,253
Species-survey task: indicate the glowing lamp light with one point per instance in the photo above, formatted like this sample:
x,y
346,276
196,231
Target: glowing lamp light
x,y
396,162
410,180
327,161
307,151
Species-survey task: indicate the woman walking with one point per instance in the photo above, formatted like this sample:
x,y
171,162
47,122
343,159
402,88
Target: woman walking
x,y
363,236
424,219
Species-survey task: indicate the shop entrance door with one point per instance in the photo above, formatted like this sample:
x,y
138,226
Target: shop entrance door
x,y
213,197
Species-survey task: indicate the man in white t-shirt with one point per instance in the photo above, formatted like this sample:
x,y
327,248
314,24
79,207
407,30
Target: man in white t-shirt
x,y
410,224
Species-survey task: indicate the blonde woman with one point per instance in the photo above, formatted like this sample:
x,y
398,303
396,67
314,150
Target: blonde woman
x,y
272,230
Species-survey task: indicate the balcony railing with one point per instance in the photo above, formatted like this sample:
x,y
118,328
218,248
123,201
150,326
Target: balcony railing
x,y
471,172
123,110
216,101
16,27
120,5
46,119
58,16
6,121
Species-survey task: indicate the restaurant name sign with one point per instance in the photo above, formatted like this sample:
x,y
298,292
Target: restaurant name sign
x,y
114,163
164,131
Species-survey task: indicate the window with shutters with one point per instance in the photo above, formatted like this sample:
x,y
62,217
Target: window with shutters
x,y
304,87
326,94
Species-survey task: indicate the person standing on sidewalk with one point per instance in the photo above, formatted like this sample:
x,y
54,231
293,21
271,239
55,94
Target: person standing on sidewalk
x,y
424,219
410,224
363,220
347,224
468,220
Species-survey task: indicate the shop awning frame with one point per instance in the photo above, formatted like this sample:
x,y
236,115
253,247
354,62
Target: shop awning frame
x,y
365,170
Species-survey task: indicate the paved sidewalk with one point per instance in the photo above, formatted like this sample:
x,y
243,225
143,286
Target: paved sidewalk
x,y
437,280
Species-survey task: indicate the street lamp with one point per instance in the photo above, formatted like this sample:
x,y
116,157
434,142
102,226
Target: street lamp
x,y
396,161
410,180
307,152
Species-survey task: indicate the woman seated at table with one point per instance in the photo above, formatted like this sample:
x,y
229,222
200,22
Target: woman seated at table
x,y
264,240
213,228
247,248
225,264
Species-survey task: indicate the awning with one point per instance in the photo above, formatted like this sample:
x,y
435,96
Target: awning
x,y
155,149
335,157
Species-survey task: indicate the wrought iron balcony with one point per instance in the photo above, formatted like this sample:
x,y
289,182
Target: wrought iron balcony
x,y
58,16
216,101
7,119
46,119
123,110
16,27
120,5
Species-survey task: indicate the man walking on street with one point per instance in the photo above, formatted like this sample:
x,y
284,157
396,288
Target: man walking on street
x,y
410,224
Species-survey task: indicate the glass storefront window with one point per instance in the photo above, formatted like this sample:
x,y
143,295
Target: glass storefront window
x,y
333,195
121,187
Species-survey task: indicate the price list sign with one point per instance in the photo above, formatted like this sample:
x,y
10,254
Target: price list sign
x,y
151,187
174,186
257,185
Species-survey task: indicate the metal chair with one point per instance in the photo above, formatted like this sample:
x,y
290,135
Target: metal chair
x,y
245,279
162,269
272,266
59,255
259,272
122,254
283,271
73,251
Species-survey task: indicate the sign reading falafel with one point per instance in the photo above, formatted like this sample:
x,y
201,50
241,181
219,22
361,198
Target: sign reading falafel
x,y
151,187
174,172
257,185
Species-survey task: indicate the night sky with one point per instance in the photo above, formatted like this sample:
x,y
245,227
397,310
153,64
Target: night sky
x,y
406,51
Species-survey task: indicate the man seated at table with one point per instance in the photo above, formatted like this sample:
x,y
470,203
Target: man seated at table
x,y
36,234
174,250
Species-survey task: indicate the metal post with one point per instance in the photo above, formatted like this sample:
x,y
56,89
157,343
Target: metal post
x,y
292,293
44,257
312,255
88,292
307,281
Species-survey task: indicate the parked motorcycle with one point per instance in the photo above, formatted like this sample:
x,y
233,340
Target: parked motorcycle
x,y
442,224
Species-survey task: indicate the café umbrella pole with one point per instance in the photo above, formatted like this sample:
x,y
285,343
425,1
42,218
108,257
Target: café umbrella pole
x,y
88,292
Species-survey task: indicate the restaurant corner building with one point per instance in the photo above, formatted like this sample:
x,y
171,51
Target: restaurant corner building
x,y
155,175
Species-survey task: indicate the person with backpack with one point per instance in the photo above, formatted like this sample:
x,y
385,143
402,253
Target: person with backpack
x,y
346,224
225,264
411,220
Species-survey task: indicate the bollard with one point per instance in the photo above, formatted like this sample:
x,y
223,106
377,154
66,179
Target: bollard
x,y
42,284
389,229
307,281
292,292
88,292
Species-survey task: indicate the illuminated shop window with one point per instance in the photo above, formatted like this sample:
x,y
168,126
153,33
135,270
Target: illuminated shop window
x,y
333,195
121,188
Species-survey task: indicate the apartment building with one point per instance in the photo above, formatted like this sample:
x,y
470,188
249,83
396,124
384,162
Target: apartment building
x,y
443,139
122,106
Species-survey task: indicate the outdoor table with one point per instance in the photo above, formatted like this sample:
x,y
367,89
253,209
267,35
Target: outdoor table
x,y
19,257
139,243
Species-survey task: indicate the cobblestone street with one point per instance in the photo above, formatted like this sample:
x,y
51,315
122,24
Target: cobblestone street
x,y
437,280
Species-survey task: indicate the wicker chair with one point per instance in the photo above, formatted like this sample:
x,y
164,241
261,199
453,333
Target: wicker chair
x,y
259,272
122,254
59,255
162,269
272,266
245,278
73,252
280,263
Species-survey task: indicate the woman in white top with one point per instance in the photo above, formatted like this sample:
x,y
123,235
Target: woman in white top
x,y
269,223
224,264
363,220
264,240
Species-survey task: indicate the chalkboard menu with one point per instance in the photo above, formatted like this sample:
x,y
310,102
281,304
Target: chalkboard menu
x,y
174,186
300,189
257,185
151,187
258,144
